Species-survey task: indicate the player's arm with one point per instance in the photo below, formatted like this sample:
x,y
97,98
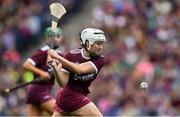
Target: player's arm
x,y
29,66
83,68
61,77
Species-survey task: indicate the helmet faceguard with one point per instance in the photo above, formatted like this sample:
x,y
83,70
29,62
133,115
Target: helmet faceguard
x,y
92,35
53,38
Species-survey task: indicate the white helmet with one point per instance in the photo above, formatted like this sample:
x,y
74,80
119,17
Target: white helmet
x,y
92,35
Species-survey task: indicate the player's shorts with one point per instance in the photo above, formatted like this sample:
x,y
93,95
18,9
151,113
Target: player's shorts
x,y
68,100
37,94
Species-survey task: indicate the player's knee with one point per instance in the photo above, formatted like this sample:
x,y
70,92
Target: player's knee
x,y
97,114
57,114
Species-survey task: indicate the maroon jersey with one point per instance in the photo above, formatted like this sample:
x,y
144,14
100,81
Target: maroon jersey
x,y
81,82
39,60
73,95
39,92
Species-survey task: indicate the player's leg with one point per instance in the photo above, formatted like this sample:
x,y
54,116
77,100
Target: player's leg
x,y
34,110
58,114
89,109
48,106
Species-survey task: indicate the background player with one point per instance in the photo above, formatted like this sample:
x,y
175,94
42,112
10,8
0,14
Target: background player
x,y
80,67
38,95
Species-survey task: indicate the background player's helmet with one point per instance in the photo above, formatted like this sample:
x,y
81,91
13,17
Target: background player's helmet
x,y
48,32
92,35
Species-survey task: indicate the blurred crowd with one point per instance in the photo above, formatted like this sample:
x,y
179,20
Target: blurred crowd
x,y
142,45
22,25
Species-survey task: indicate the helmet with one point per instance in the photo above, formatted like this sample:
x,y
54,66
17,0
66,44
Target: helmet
x,y
48,32
92,35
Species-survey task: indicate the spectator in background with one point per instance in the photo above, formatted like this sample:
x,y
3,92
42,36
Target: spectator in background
x,y
144,44
22,25
136,29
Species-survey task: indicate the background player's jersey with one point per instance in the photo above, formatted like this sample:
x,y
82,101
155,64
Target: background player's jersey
x,y
39,60
81,82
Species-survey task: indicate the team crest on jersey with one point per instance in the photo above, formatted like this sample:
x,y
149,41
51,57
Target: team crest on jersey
x,y
83,77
